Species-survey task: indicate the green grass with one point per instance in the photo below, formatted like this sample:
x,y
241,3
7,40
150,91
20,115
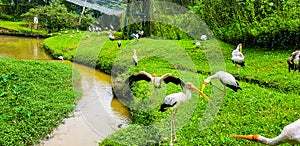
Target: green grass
x,y
20,27
34,96
266,104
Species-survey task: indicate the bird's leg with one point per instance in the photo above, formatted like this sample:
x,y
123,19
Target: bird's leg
x,y
174,129
224,90
216,87
171,138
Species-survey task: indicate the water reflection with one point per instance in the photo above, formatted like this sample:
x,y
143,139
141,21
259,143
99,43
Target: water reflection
x,y
22,48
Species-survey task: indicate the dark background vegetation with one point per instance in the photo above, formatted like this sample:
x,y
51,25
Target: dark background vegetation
x,y
259,23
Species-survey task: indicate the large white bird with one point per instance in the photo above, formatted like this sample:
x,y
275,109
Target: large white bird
x,y
238,57
290,134
225,78
156,81
173,101
135,58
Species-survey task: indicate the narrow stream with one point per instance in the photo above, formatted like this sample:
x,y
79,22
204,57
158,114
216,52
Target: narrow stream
x,y
97,114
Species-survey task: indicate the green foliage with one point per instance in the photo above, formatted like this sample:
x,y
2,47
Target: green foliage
x,y
254,22
20,28
56,16
34,97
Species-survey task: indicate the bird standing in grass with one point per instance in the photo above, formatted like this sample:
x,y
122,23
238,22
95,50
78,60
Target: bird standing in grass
x,y
60,58
156,81
290,134
135,58
111,36
295,60
173,101
119,43
238,57
135,36
225,78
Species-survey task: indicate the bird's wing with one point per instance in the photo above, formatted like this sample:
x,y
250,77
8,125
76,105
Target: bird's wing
x,y
138,76
174,80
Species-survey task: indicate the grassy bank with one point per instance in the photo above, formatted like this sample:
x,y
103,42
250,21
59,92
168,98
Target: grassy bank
x,y
267,103
35,96
20,28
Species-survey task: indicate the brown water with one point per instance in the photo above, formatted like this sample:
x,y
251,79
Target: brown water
x,y
97,114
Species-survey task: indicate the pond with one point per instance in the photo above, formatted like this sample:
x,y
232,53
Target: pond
x,y
97,115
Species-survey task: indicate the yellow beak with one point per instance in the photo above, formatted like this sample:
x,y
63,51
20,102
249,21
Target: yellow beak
x,y
203,86
200,92
241,48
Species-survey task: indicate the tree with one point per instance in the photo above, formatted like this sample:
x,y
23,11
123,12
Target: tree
x,y
55,17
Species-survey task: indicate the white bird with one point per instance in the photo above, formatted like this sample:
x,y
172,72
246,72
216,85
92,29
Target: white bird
x,y
71,36
290,134
119,43
140,32
60,58
203,37
77,30
135,58
111,36
225,78
66,32
135,36
156,81
197,44
112,27
173,101
238,57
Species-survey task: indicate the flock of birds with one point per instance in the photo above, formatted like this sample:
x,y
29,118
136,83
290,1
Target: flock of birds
x,y
290,133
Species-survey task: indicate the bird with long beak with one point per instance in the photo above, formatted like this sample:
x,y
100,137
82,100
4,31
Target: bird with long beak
x,y
238,57
225,78
173,101
290,134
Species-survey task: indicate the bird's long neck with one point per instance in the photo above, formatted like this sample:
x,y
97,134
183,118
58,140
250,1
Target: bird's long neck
x,y
270,141
188,93
207,80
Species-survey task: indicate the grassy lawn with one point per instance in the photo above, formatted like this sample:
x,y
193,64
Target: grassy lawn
x,y
20,27
266,104
34,97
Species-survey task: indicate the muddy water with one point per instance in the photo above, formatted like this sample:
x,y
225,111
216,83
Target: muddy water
x,y
97,114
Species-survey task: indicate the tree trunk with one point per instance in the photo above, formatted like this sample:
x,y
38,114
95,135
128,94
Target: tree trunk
x,y
82,12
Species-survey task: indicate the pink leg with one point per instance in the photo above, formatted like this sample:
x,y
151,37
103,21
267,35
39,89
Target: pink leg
x,y
171,125
175,137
